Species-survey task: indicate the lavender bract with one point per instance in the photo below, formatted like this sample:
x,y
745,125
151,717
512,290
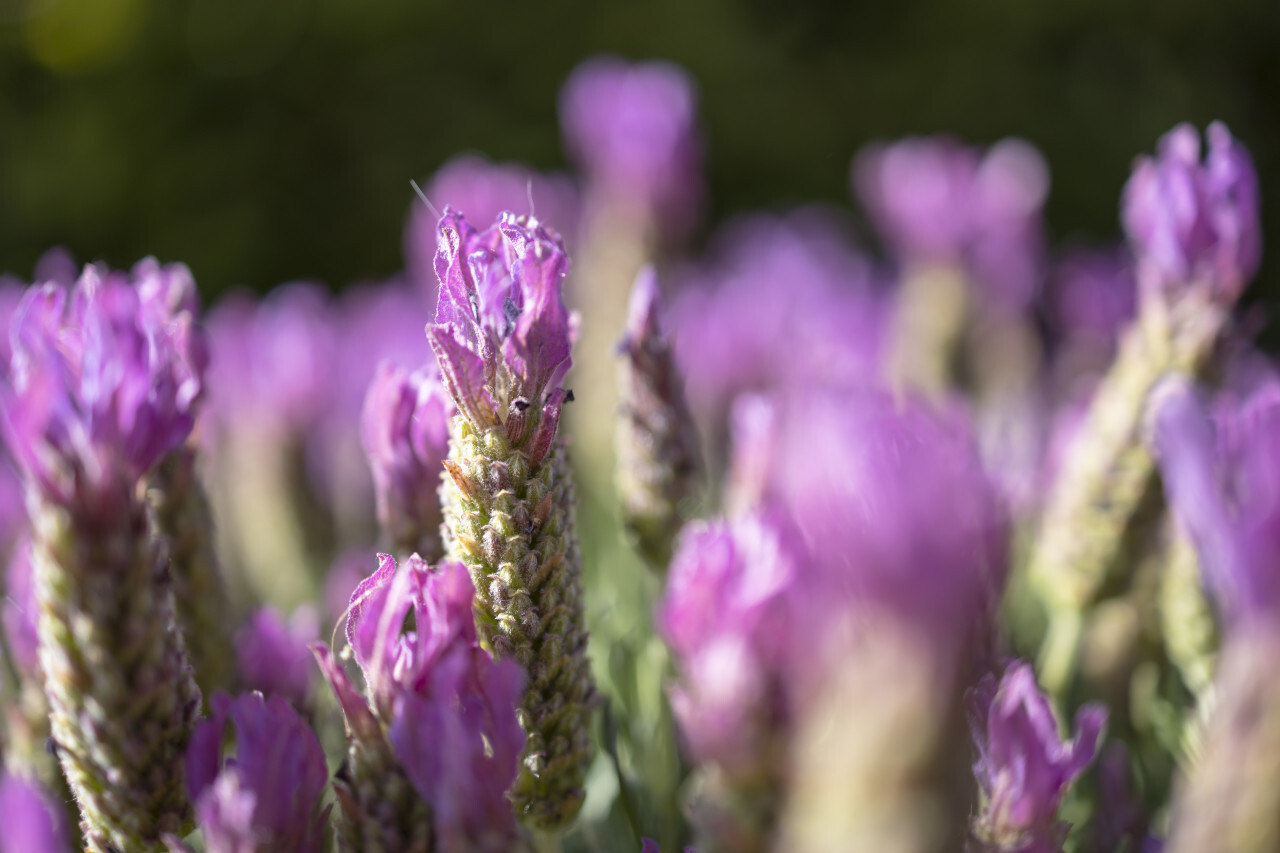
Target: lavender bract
x,y
1191,221
1023,767
502,336
484,189
437,743
406,436
266,795
101,391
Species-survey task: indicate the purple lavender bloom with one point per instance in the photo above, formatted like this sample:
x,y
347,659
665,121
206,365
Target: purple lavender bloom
x,y
274,656
936,201
868,481
406,437
1024,767
101,389
1193,222
21,608
790,285
727,617
1094,294
272,361
1220,476
470,182
634,130
266,795
502,332
30,820
447,707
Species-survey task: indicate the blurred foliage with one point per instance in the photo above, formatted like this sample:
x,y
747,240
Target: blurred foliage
x,y
267,141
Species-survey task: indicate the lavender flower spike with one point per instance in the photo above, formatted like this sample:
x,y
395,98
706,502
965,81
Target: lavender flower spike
x,y
266,796
502,335
1195,230
656,440
30,820
1220,474
170,304
406,436
96,400
1024,768
436,745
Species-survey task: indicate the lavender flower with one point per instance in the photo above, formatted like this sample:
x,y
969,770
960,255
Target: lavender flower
x,y
633,128
100,392
30,821
1023,767
657,442
274,656
437,743
502,335
727,617
1194,229
937,202
406,436
1223,485
1192,222
266,795
169,302
732,316
838,573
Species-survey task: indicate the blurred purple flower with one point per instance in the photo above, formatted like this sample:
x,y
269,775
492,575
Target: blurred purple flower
x,y
727,617
448,707
406,437
1192,222
501,326
895,511
30,820
101,387
484,190
273,361
266,795
274,656
1094,294
21,609
634,129
1024,767
785,302
1221,472
939,202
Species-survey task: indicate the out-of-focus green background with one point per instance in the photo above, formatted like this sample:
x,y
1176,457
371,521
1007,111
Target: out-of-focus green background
x,y
268,140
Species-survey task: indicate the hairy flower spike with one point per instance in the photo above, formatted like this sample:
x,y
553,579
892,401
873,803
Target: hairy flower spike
x,y
503,335
436,744
101,390
657,442
406,437
1195,231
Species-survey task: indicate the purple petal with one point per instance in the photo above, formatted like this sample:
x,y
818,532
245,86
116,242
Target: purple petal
x,y
30,820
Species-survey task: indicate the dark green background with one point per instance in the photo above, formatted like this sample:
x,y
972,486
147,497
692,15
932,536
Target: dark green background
x,y
268,140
